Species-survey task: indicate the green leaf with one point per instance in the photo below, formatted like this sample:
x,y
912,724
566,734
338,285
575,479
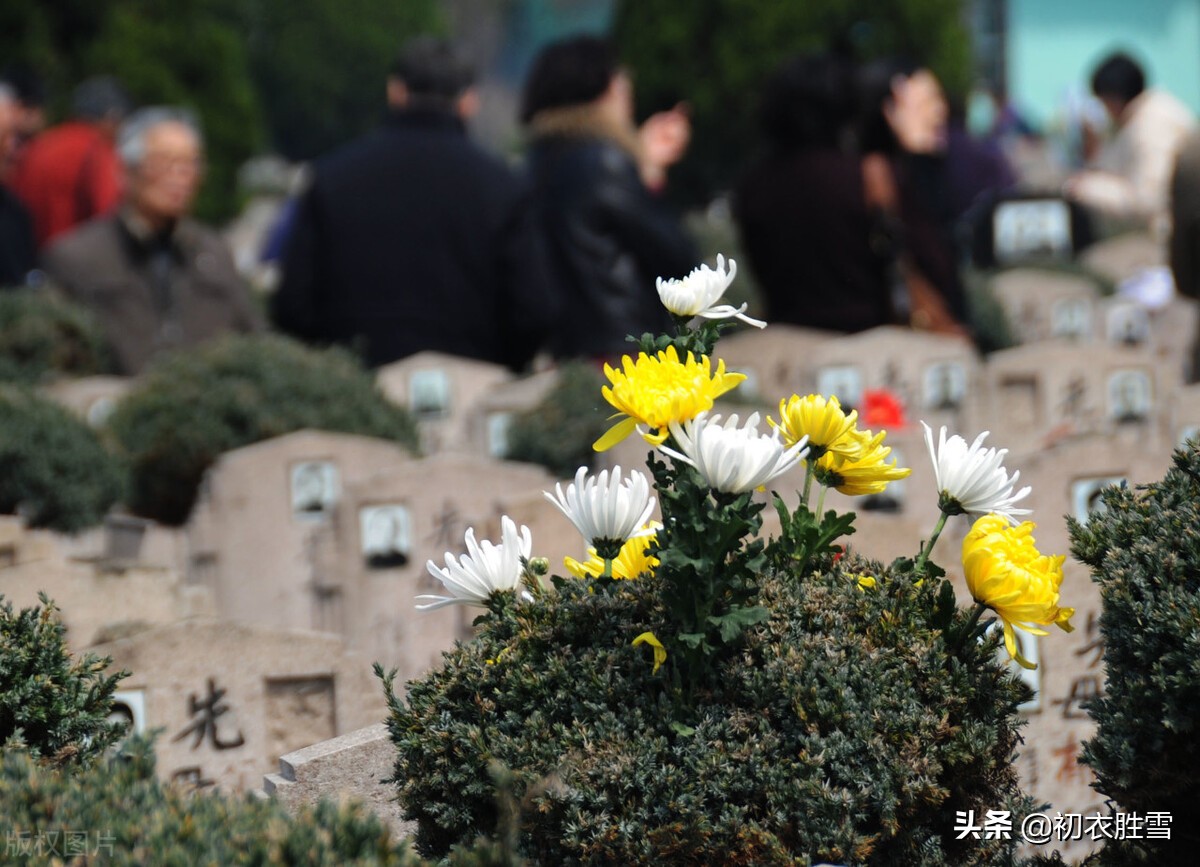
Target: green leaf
x,y
732,625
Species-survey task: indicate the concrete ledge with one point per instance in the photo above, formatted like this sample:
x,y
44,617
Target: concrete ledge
x,y
351,766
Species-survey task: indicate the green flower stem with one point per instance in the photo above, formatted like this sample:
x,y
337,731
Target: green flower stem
x,y
970,625
821,500
808,480
607,573
927,549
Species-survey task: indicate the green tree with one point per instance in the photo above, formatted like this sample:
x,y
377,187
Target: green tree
x,y
189,53
53,706
320,65
716,55
1144,553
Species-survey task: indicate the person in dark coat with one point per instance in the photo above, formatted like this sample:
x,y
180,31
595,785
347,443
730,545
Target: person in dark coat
x,y
802,210
154,278
17,255
595,175
413,238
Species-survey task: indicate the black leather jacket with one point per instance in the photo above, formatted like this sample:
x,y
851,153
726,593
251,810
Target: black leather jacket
x,y
609,239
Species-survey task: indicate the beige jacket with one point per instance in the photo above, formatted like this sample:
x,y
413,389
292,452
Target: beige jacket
x,y
1132,177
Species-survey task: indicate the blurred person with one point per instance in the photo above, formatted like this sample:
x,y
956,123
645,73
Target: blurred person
x,y
1132,175
595,175
17,252
71,173
904,134
1185,230
413,238
31,103
154,278
808,228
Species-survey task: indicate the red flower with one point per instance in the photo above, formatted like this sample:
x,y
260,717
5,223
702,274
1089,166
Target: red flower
x,y
882,409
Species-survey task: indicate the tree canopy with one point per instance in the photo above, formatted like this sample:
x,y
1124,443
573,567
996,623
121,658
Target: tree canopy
x,y
716,55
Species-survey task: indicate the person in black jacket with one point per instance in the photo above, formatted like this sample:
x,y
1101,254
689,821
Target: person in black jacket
x,y
413,238
593,173
17,255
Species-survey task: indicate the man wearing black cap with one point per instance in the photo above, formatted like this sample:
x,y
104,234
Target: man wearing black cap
x,y
413,238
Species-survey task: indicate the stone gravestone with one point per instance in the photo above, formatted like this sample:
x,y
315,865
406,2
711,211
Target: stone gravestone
x,y
775,360
233,698
1037,393
1041,304
1066,478
255,529
388,525
1184,415
488,420
1119,258
96,596
441,391
933,376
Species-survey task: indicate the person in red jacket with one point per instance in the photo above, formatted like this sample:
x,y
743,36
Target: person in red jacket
x,y
70,173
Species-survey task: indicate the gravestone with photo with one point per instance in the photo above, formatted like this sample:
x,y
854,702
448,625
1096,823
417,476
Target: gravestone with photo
x,y
442,391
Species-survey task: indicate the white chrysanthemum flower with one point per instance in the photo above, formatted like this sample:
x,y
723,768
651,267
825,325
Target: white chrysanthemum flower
x,y
972,479
734,459
484,569
697,294
606,509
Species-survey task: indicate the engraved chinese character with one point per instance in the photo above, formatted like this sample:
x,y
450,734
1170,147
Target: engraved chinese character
x,y
207,712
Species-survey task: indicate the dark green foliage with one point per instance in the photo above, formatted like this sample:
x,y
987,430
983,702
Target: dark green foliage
x,y
53,706
177,52
53,469
843,729
716,55
319,66
195,405
42,336
708,573
558,433
1144,552
189,53
129,818
305,74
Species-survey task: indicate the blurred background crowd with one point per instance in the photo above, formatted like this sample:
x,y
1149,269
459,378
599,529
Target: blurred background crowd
x,y
506,180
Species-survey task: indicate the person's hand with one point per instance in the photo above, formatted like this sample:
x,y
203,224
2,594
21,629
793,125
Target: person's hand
x,y
664,139
917,113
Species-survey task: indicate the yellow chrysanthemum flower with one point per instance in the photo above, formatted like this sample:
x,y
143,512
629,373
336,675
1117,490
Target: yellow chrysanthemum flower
x,y
866,472
826,425
657,391
632,562
1006,572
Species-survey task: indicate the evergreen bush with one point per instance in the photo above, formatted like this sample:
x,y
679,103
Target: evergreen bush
x,y
42,336
695,696
54,470
1143,549
843,731
117,812
195,405
52,706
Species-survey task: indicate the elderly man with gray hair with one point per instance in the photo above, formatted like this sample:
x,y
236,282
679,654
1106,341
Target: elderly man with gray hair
x,y
155,279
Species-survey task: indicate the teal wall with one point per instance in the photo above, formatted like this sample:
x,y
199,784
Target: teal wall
x,y
1053,44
